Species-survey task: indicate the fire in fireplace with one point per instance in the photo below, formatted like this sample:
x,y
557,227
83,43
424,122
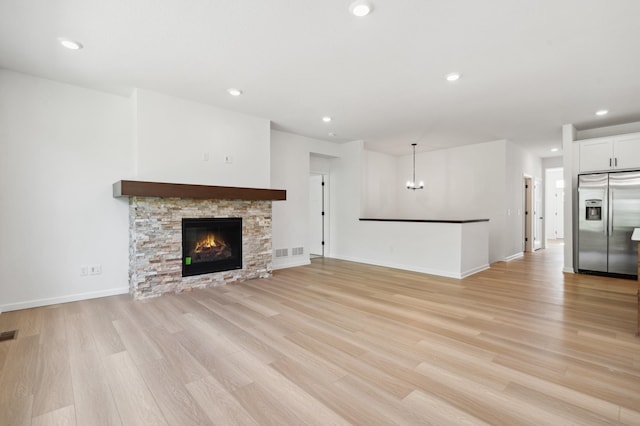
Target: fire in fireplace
x,y
211,245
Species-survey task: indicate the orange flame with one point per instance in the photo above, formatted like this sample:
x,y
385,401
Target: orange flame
x,y
208,242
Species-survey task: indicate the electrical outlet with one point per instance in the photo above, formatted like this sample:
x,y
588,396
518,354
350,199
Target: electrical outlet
x,y
84,270
228,159
95,269
205,156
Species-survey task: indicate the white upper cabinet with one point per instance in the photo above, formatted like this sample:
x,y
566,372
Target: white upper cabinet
x,y
596,155
626,151
610,153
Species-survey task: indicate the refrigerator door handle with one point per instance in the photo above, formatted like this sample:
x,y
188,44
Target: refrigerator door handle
x,y
605,212
610,211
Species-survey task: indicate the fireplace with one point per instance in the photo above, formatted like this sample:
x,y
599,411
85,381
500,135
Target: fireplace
x,y
156,252
211,245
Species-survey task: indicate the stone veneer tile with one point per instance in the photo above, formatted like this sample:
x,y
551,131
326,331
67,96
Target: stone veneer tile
x,y
155,243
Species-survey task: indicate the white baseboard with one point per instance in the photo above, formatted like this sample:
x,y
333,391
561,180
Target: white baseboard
x,y
513,257
568,270
290,263
474,270
63,299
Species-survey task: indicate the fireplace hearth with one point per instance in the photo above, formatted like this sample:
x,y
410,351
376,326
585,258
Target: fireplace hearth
x,y
211,245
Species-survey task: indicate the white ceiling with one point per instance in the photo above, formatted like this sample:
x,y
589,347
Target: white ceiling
x,y
528,66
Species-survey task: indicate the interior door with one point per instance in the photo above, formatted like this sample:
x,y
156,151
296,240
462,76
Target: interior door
x,y
528,210
316,216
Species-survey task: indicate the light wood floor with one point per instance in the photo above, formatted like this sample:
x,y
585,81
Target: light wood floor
x,y
336,343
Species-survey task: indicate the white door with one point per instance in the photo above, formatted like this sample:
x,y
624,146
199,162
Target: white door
x,y
528,210
316,216
537,214
558,219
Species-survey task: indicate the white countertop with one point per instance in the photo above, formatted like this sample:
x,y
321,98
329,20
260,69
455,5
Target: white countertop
x,y
636,234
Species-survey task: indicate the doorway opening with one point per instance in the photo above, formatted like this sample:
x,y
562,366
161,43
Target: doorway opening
x,y
554,205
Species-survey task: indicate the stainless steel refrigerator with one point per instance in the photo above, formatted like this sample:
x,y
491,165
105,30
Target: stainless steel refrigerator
x,y
609,210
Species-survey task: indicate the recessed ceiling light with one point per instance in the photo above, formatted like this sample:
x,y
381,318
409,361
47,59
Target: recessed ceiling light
x,y
333,135
454,76
555,149
360,8
70,44
234,92
326,119
602,112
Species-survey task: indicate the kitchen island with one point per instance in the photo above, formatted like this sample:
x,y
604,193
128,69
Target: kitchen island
x,y
453,248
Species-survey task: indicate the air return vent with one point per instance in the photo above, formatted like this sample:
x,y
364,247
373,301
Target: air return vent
x,y
297,251
282,252
8,335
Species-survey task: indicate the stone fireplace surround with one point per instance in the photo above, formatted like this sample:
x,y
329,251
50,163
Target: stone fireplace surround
x,y
155,232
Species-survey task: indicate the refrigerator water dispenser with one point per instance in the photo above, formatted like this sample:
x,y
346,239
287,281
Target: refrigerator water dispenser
x,y
593,209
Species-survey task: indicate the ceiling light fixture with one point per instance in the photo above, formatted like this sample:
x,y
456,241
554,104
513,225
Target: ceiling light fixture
x,y
454,76
70,44
326,119
333,135
555,149
602,112
234,92
360,8
411,184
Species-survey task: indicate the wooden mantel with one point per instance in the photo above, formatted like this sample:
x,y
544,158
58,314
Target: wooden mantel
x,y
131,188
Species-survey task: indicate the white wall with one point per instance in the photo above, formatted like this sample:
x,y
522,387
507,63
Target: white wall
x,y
61,149
520,163
551,163
599,132
290,169
174,134
570,171
346,192
465,182
320,164
379,197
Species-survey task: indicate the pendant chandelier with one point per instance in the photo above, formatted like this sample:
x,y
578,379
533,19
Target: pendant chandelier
x,y
411,184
